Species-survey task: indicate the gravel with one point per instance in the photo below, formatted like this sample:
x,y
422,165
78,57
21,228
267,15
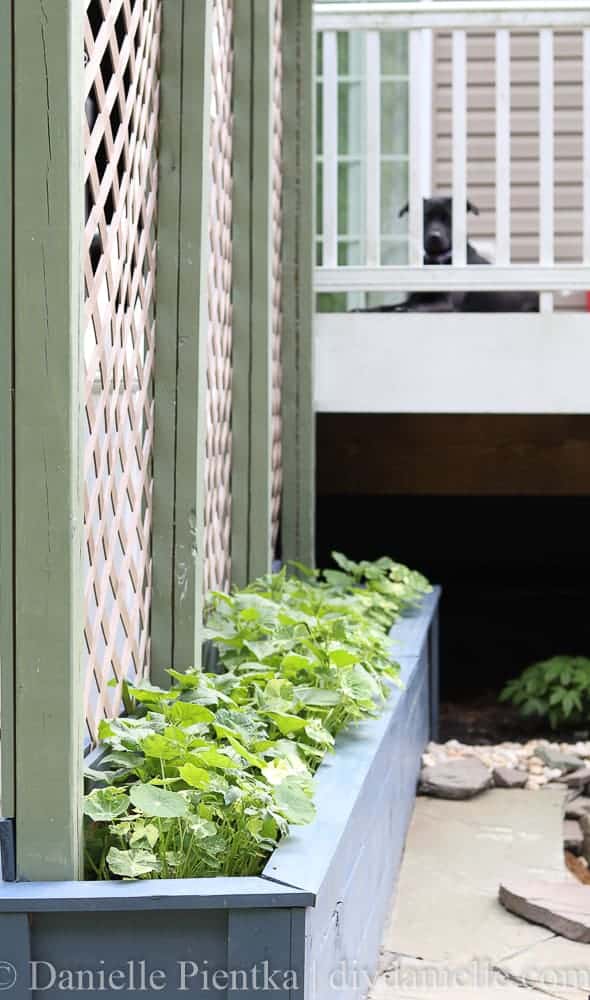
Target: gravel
x,y
531,757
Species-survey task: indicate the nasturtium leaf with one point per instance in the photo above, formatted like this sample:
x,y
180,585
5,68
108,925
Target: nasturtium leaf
x,y
280,768
149,694
104,804
133,863
144,835
251,758
186,713
160,746
343,657
159,802
287,723
293,798
318,733
318,697
196,777
202,828
214,758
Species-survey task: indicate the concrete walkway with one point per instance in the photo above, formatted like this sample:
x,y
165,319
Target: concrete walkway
x,y
449,937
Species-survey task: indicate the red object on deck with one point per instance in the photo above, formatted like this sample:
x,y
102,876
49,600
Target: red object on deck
x,y
587,301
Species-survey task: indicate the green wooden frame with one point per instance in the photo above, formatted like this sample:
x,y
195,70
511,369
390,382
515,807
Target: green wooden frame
x,y
298,501
182,318
252,279
48,222
252,291
6,421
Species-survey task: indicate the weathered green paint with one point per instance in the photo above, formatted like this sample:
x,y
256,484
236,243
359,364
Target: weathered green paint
x,y
241,291
252,288
48,220
298,502
166,358
261,314
6,421
182,318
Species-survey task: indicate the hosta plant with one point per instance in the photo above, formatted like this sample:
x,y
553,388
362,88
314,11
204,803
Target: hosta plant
x,y
203,779
557,689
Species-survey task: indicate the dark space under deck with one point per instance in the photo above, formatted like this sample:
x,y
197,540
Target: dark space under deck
x,y
474,502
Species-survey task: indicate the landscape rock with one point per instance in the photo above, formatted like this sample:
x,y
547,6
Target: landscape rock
x,y
576,779
578,807
558,760
563,907
510,777
573,837
585,828
461,778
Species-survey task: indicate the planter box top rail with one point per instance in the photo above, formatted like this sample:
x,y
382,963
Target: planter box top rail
x,y
151,894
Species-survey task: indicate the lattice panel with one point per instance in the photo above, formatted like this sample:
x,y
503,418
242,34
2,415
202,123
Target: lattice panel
x,y
277,236
219,364
120,173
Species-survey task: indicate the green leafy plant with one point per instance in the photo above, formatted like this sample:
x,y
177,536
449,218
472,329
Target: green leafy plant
x,y
557,689
205,778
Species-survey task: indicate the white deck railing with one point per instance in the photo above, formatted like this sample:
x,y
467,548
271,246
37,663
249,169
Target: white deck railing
x,y
420,19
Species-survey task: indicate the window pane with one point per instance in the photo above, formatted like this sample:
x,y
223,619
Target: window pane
x,y
350,53
350,140
350,221
319,118
349,252
394,53
394,195
394,252
394,118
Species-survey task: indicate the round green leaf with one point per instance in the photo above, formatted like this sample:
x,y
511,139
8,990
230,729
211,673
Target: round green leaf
x,y
104,804
153,801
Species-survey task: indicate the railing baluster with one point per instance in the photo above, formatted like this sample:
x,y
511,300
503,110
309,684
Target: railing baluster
x,y
459,148
373,148
546,159
330,148
586,133
416,175
502,146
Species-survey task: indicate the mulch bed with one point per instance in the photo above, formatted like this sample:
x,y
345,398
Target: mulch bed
x,y
483,721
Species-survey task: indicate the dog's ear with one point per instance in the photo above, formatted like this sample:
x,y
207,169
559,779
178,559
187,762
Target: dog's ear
x,y
404,210
472,208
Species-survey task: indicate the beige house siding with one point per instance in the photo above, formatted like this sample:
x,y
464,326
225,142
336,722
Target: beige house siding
x,y
524,142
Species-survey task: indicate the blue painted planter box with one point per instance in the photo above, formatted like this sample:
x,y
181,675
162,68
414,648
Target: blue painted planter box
x,y
308,929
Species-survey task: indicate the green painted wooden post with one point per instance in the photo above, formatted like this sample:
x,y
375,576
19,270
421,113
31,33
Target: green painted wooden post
x,y
182,323
252,281
6,421
241,291
48,220
261,313
298,502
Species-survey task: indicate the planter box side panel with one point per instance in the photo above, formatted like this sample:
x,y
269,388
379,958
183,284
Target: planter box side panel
x,y
344,929
228,953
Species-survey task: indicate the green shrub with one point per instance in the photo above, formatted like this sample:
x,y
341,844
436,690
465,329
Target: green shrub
x,y
557,690
205,778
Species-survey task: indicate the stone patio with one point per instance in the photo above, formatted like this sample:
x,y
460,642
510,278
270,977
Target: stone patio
x,y
449,936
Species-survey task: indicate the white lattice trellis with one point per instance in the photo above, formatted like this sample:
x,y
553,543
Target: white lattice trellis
x,y
219,364
120,173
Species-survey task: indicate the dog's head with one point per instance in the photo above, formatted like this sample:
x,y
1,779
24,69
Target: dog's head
x,y
438,228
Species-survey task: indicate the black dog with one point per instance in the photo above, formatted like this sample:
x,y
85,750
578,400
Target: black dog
x,y
438,250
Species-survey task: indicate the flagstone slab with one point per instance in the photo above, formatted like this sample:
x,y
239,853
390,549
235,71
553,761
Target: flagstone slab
x,y
563,907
